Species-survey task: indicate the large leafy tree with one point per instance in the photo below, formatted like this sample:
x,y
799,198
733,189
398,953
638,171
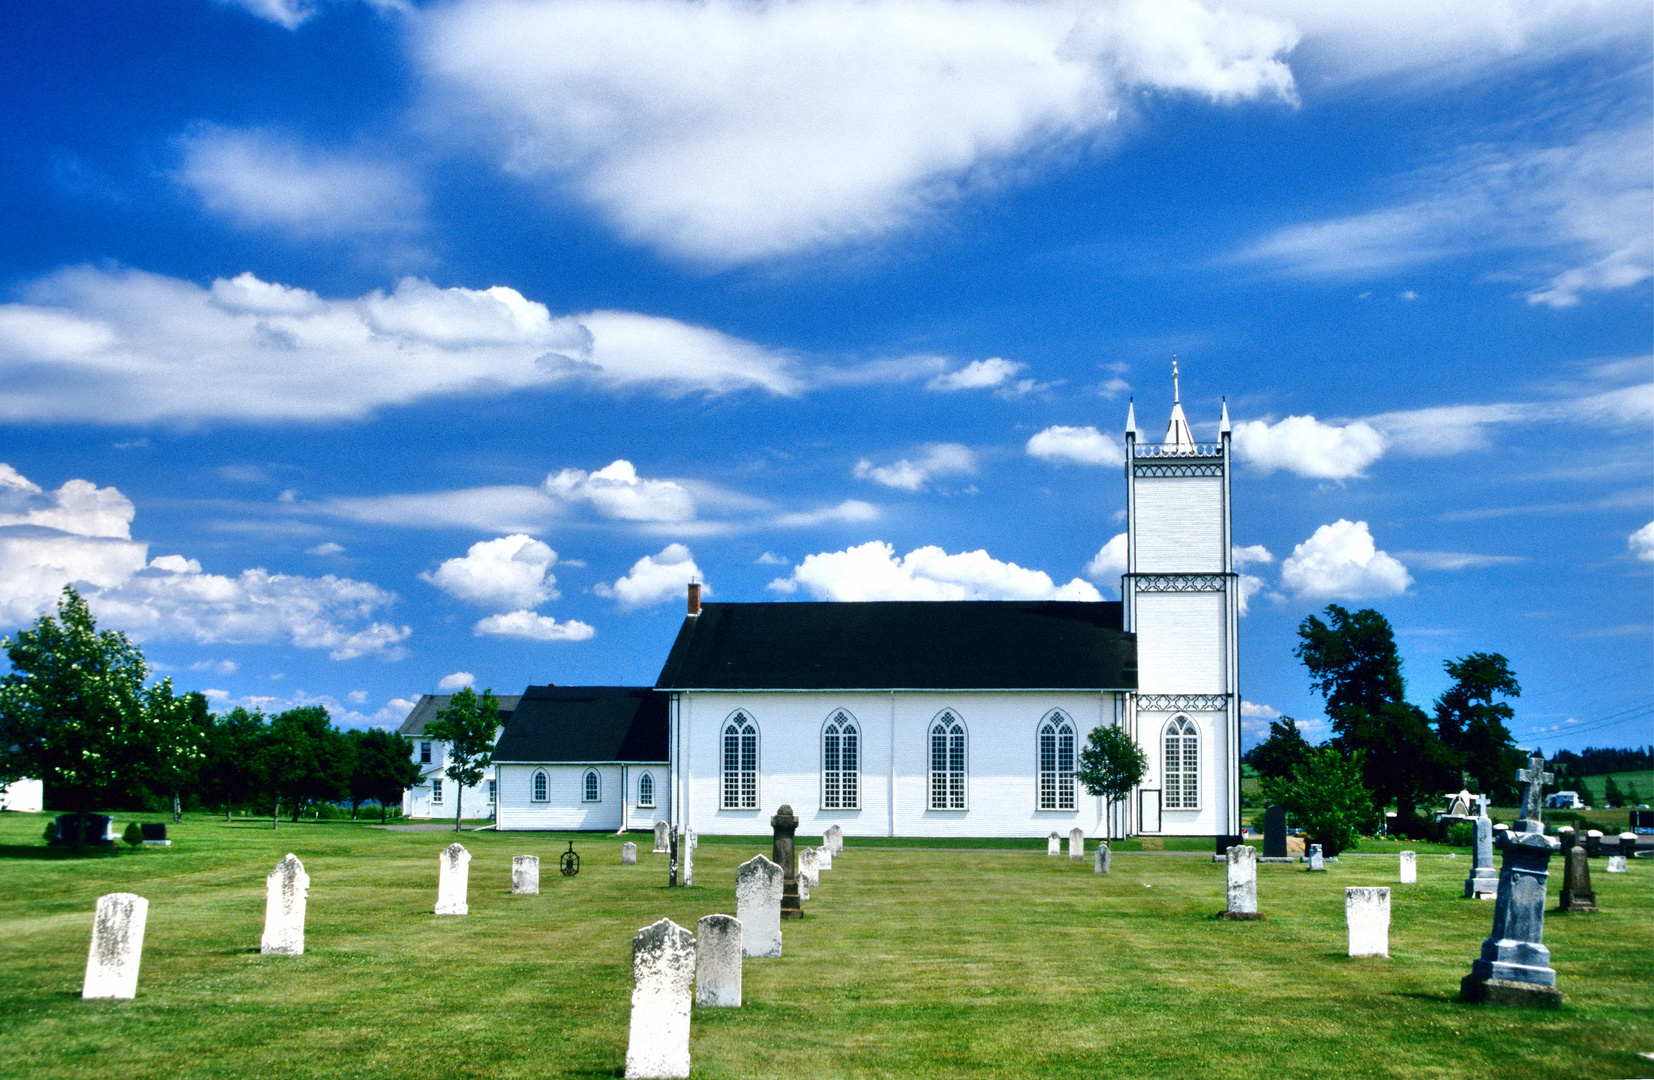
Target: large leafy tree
x,y
380,769
1474,723
233,769
180,730
306,758
73,709
1111,763
467,725
1279,754
1326,794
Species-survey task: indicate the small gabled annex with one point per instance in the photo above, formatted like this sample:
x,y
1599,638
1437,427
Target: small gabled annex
x,y
434,795
584,757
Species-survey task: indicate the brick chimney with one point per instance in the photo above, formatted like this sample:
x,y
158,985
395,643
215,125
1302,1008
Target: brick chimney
x,y
694,598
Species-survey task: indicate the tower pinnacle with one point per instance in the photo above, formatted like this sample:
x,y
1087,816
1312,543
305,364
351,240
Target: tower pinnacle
x,y
1177,431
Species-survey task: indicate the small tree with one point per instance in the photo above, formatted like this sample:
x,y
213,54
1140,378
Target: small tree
x,y
381,769
1327,796
1611,793
467,725
1111,764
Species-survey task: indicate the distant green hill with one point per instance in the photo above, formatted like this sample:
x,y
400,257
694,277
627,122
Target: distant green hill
x,y
1637,786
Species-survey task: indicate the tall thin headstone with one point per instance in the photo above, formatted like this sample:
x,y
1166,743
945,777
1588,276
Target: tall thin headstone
x,y
1274,833
1053,843
833,839
758,884
1483,882
1241,874
628,854
661,829
1100,861
1409,868
525,875
285,893
453,880
1367,916
785,826
117,946
686,858
1577,894
718,961
1076,843
663,975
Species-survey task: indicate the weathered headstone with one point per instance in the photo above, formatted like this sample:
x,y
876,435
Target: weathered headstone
x,y
1274,832
833,839
453,879
1628,849
1514,967
1316,861
809,871
1483,882
785,826
285,894
1076,843
1409,868
1241,872
672,859
1100,861
686,858
1533,799
1053,843
694,838
758,884
117,946
1593,843
1577,894
824,857
1367,916
525,875
718,961
663,975
661,828
628,854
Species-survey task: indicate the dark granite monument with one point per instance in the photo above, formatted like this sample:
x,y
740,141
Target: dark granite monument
x,y
785,824
1274,833
1577,894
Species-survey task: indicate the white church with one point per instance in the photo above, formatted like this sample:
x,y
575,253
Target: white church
x,y
959,718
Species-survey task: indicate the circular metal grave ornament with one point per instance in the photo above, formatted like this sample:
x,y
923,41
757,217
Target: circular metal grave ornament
x,y
570,862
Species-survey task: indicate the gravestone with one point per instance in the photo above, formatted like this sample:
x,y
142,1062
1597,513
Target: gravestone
x,y
661,828
686,858
453,879
809,872
694,838
1367,916
1274,832
117,946
84,830
718,961
758,906
155,834
833,839
1316,861
525,875
1100,861
1241,871
663,974
672,859
1628,850
1076,843
628,854
285,893
785,826
1409,868
1577,894
824,857
1053,844
1483,882
1593,843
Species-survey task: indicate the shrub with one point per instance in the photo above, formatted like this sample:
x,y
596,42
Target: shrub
x,y
1461,834
134,833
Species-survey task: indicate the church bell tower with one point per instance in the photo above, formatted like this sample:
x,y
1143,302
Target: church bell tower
x,y
1181,598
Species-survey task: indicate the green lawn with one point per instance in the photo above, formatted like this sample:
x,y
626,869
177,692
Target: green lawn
x,y
913,962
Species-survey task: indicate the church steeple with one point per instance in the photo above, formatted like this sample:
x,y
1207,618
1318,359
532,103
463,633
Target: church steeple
x,y
1177,431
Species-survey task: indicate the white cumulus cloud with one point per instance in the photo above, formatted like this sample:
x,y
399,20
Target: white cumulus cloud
x,y
1341,561
938,459
616,491
456,681
1078,445
655,579
510,572
977,375
1109,563
1252,555
872,572
1641,543
1308,447
532,626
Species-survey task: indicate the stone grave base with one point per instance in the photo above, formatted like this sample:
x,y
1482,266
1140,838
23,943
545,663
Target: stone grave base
x,y
1578,905
1505,992
1276,859
1241,916
157,843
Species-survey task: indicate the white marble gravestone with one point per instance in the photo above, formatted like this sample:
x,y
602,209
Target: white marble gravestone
x,y
628,854
1241,882
453,879
809,871
694,838
1316,861
686,858
1483,882
1101,860
525,875
663,977
1053,844
285,893
1076,843
718,961
1628,845
758,883
1409,868
824,857
833,839
117,946
1367,915
661,830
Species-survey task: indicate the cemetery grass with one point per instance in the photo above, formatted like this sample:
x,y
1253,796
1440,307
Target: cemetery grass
x,y
912,962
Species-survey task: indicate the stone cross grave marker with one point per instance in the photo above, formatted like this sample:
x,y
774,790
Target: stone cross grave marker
x,y
1053,844
1274,832
1076,843
1409,868
1100,861
117,946
285,893
453,880
809,871
525,875
1316,860
833,839
1515,966
628,854
1241,874
785,827
1483,882
663,973
718,961
758,906
1533,799
661,828
1367,916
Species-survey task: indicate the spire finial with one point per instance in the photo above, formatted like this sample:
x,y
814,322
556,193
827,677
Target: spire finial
x,y
1177,398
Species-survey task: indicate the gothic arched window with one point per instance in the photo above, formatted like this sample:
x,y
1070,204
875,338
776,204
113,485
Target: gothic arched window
x,y
840,763
646,790
740,763
947,763
1056,763
590,789
538,786
1182,765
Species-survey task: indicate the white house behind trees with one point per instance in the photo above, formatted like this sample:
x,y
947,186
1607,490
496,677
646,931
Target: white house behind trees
x,y
433,796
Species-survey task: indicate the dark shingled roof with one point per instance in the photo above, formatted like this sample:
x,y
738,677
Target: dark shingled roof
x,y
428,705
586,723
904,645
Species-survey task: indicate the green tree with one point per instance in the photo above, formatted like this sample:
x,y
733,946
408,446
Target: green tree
x,y
233,770
180,728
1474,724
1111,764
380,769
1326,794
467,725
306,758
1279,754
1611,793
73,708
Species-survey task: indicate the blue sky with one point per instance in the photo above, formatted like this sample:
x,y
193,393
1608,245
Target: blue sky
x,y
352,351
